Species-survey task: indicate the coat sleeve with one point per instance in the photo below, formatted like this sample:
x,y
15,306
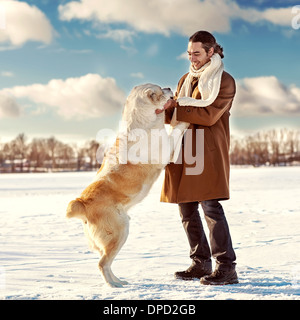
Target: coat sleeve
x,y
168,115
169,112
208,116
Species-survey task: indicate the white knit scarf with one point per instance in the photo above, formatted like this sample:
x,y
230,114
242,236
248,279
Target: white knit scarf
x,y
209,83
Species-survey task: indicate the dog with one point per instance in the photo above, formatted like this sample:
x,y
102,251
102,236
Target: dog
x,y
121,184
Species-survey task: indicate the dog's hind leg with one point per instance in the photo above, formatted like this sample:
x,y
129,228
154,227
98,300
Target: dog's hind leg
x,y
107,274
109,253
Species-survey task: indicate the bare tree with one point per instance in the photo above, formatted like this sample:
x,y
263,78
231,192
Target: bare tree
x,y
91,152
274,147
37,154
9,152
65,154
52,145
81,154
21,149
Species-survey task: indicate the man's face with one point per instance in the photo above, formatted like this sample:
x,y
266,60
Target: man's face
x,y
197,55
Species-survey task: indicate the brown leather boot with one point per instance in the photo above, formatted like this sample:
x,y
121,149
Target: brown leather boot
x,y
198,269
222,275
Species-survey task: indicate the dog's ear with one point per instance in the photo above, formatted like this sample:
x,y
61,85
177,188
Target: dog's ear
x,y
150,94
154,95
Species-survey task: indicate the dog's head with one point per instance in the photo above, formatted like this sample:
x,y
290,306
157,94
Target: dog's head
x,y
143,100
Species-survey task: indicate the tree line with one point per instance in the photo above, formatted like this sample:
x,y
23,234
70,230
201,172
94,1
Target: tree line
x,y
42,155
273,147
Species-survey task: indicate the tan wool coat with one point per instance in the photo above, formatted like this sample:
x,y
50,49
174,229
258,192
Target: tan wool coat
x,y
213,182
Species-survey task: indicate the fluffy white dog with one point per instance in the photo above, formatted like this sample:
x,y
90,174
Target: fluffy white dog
x,y
128,171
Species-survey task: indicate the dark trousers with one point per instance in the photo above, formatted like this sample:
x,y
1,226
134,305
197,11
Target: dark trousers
x,y
219,236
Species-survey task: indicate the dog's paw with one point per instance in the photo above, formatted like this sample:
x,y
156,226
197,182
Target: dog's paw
x,y
117,283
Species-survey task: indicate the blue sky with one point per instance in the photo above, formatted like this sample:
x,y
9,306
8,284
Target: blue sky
x,y
66,67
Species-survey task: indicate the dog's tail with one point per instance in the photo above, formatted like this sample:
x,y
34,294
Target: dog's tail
x,y
76,209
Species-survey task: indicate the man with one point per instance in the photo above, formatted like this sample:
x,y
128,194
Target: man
x,y
203,99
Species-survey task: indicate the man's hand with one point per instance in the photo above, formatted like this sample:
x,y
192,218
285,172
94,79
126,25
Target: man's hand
x,y
169,104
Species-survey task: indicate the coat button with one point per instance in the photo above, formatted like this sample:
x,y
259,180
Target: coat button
x,y
188,110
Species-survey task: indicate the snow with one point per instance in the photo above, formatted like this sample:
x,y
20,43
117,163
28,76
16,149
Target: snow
x,y
46,256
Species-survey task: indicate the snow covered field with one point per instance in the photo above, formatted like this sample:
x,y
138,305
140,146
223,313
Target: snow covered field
x,y
45,256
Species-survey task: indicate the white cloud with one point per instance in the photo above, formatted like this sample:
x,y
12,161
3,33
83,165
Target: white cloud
x,y
280,16
9,107
2,17
138,75
119,35
85,97
183,56
7,74
277,16
92,96
24,23
265,96
165,16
